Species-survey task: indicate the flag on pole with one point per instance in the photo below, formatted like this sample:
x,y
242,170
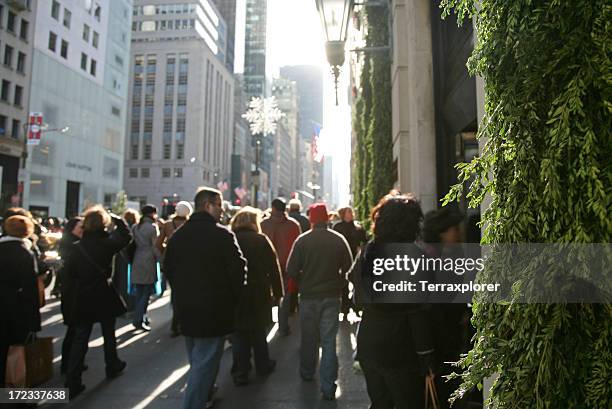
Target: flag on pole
x,y
317,154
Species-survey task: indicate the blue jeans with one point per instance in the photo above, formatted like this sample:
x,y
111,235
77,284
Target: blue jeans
x,y
319,322
142,293
204,356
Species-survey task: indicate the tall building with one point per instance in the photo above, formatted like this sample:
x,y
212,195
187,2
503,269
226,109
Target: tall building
x,y
241,149
286,95
181,103
227,9
255,49
79,80
17,20
309,80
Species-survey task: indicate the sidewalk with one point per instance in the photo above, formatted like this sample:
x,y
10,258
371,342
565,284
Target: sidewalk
x,y
157,365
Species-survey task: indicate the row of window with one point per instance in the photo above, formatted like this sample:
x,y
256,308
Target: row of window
x,y
95,37
15,127
167,151
163,25
95,10
164,9
64,53
11,24
9,53
5,93
146,173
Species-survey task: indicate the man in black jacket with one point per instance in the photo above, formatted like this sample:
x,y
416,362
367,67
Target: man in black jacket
x,y
206,270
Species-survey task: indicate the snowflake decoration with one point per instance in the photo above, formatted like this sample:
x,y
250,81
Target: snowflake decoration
x,y
262,115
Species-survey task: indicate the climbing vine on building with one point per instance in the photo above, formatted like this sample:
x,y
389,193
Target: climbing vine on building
x,y
373,175
547,168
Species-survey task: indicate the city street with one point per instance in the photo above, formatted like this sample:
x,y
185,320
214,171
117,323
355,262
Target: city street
x,y
157,366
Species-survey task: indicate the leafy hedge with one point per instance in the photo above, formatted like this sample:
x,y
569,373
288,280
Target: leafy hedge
x,y
547,166
373,172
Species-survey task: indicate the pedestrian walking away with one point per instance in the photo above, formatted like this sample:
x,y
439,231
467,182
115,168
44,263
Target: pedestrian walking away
x,y
254,312
207,271
282,232
319,261
144,266
394,342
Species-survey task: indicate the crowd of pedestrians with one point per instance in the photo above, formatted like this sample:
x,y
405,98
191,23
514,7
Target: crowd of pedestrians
x,y
225,281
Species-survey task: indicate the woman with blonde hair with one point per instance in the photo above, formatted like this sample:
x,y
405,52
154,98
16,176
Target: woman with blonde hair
x,y
263,288
89,296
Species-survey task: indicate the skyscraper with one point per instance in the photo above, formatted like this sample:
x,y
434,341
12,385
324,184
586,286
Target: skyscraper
x,y
79,80
309,80
228,9
255,49
181,103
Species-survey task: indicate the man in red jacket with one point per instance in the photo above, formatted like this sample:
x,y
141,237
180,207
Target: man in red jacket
x,y
282,232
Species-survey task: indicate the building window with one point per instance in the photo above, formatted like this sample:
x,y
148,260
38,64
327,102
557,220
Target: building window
x,y
4,92
115,111
16,128
167,151
52,41
84,61
18,95
147,152
92,67
1,15
10,22
2,124
21,59
166,172
55,9
95,39
98,12
133,173
8,56
134,152
86,33
144,173
23,30
119,60
178,172
180,151
67,18
64,49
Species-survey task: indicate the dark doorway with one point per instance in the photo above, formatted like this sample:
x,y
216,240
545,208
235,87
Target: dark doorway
x,y
73,190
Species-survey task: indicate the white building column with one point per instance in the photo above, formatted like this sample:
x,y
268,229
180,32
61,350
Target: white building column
x,y
414,143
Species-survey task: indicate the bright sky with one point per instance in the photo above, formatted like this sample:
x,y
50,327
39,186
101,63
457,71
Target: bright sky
x,y
295,36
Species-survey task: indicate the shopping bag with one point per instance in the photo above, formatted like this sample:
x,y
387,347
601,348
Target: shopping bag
x,y
431,394
15,375
38,361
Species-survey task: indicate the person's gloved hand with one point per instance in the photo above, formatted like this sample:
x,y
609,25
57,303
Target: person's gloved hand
x,y
427,362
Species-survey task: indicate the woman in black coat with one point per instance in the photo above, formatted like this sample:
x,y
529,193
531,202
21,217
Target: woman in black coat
x,y
88,295
394,341
264,287
18,287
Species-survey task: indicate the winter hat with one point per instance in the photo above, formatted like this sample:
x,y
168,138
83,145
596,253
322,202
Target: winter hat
x,y
148,210
183,209
317,213
18,226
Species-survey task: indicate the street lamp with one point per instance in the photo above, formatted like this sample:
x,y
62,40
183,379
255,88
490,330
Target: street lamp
x,y
335,15
262,116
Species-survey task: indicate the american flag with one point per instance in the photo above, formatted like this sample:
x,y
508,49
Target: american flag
x,y
317,155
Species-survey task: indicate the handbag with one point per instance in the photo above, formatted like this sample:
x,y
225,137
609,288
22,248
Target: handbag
x,y
30,364
117,303
431,394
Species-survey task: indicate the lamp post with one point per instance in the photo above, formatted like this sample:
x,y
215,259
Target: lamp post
x,y
335,15
262,116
